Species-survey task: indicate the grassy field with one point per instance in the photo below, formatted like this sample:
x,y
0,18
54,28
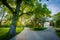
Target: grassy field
x,y
4,31
58,31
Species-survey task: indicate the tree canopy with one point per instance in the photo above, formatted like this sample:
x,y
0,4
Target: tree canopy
x,y
19,8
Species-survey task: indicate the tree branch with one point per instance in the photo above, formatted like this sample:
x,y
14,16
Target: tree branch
x,y
4,2
18,6
25,13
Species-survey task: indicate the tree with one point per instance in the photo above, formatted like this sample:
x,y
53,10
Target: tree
x,y
56,19
40,14
14,13
2,15
15,9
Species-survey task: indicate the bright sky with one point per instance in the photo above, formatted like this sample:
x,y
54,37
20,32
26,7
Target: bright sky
x,y
53,5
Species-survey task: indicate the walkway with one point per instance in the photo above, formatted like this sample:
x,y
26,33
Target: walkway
x,y
27,34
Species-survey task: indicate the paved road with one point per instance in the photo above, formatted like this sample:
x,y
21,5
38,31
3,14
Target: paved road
x,y
27,34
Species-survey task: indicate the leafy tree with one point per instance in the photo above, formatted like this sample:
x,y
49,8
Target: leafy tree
x,y
56,18
15,12
15,7
41,13
2,15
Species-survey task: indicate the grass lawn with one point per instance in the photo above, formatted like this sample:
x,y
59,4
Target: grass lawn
x,y
4,31
58,31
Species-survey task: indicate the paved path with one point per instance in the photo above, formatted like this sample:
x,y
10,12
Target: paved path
x,y
26,34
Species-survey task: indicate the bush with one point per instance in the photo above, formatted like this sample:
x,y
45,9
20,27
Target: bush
x,y
38,29
58,23
58,33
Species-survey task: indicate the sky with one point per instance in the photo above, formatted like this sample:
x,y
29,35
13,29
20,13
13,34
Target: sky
x,y
53,5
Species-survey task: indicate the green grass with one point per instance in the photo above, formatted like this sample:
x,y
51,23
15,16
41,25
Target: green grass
x,y
18,30
57,31
4,33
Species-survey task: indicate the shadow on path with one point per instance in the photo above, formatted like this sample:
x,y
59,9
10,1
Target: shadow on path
x,y
27,34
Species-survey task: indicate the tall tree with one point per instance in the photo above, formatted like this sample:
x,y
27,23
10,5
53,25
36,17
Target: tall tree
x,y
15,9
41,12
56,19
14,13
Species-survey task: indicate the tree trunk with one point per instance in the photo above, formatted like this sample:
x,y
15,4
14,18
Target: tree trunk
x,y
15,18
42,24
0,24
12,31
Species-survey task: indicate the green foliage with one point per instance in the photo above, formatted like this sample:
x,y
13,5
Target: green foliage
x,y
58,33
41,12
6,24
46,11
19,8
18,30
26,7
56,18
58,23
38,29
